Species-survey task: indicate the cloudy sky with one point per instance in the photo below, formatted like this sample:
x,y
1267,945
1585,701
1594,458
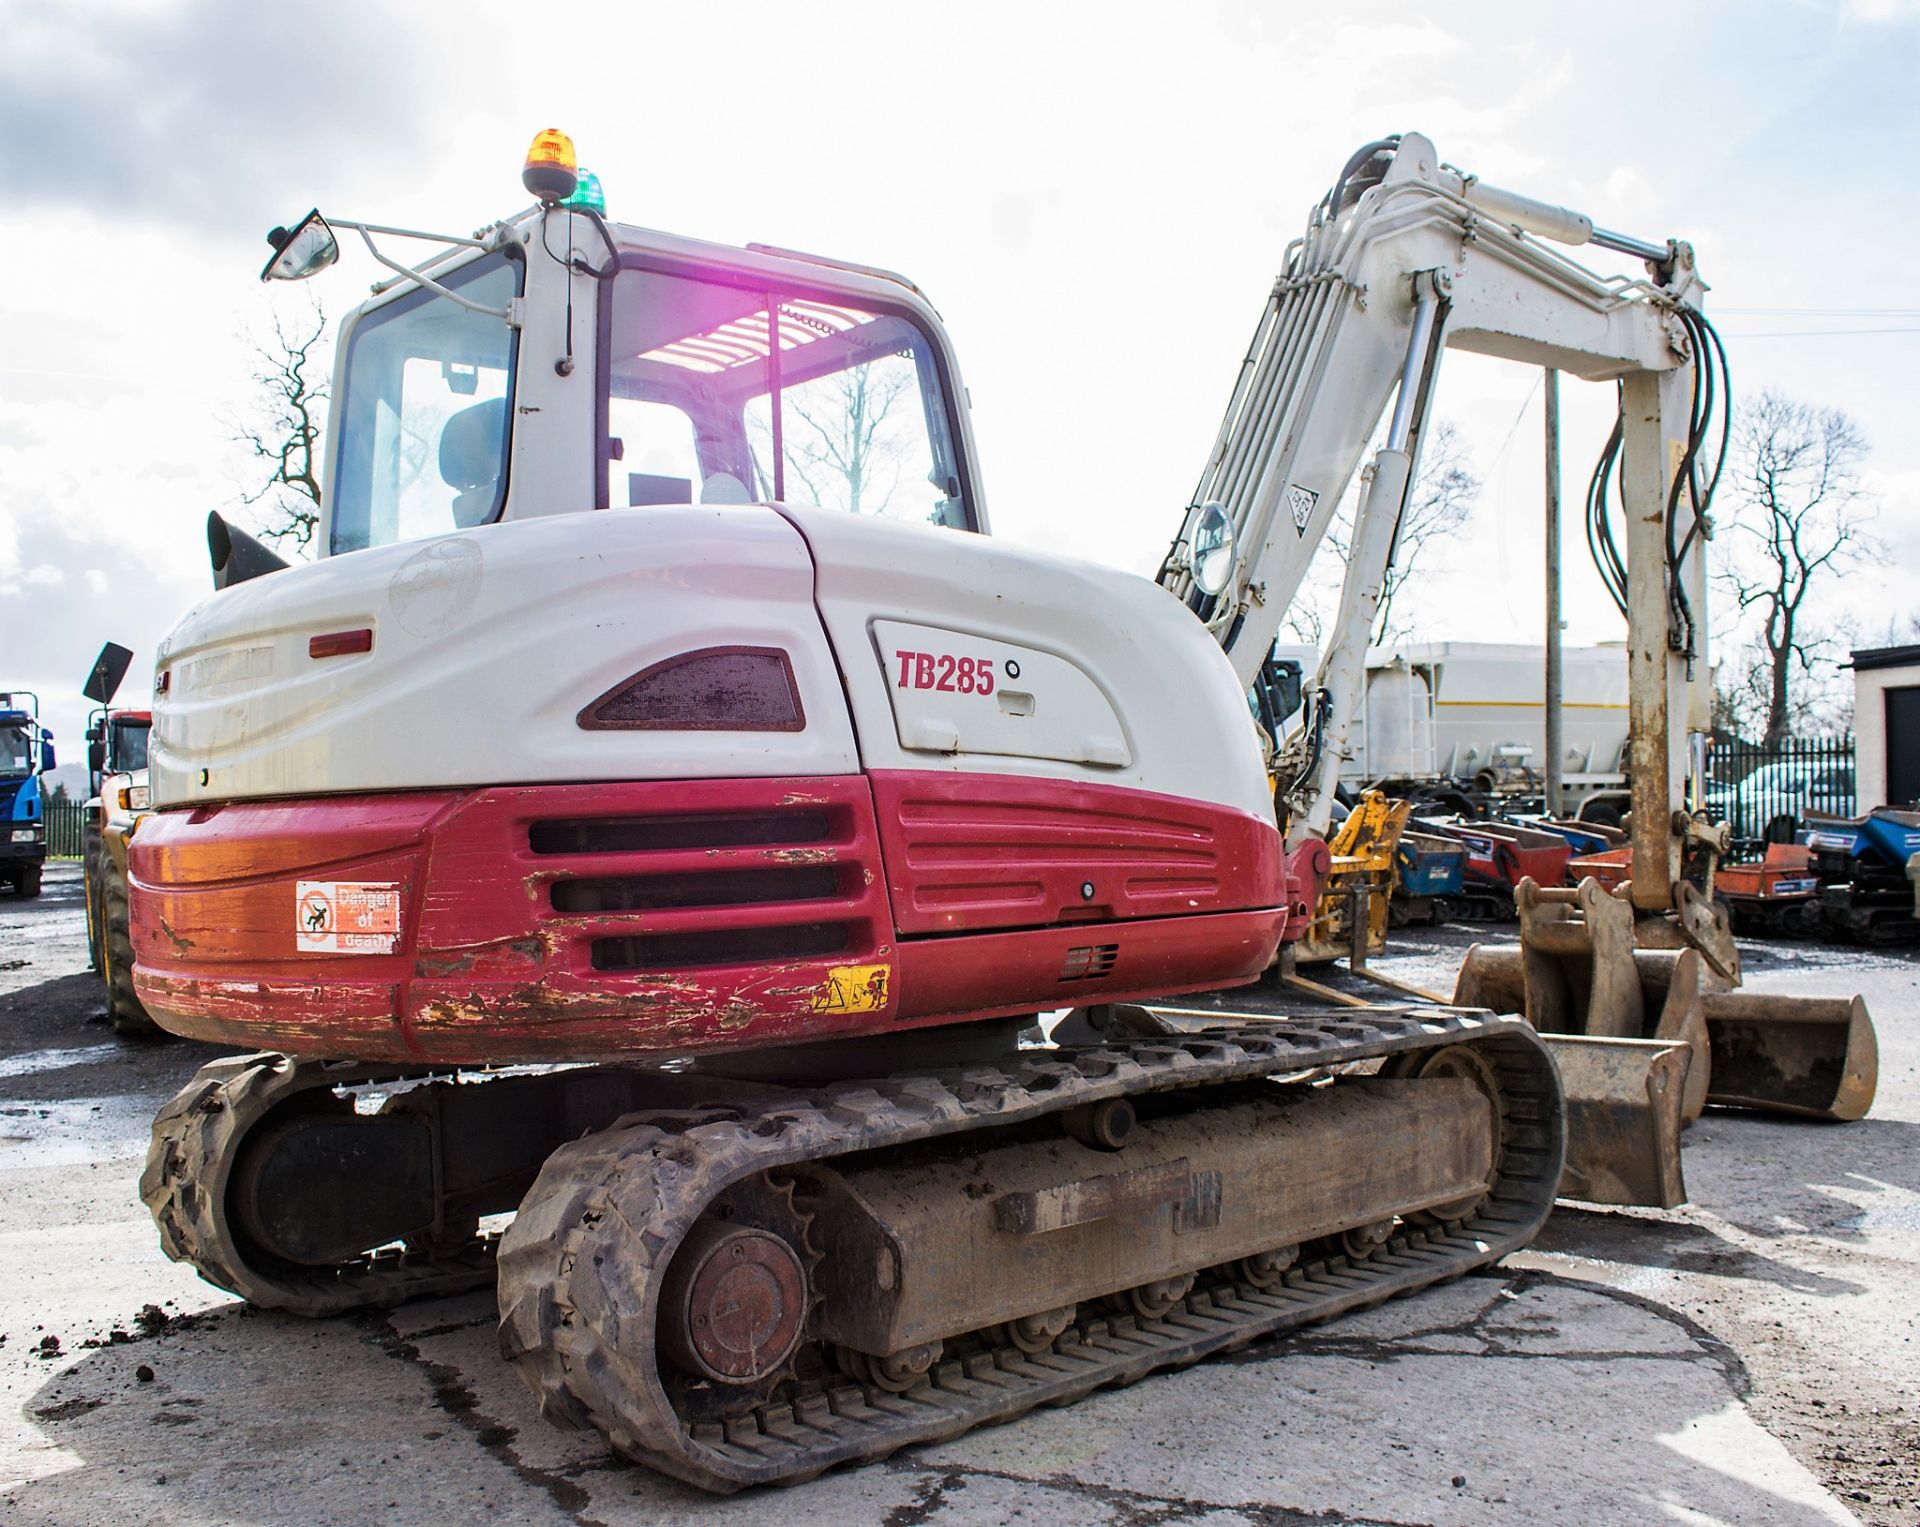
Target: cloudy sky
x,y
1096,196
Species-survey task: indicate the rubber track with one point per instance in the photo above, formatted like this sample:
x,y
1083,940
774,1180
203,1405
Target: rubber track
x,y
196,1140
580,1269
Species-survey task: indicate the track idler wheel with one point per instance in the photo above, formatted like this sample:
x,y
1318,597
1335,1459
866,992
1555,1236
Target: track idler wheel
x,y
734,1305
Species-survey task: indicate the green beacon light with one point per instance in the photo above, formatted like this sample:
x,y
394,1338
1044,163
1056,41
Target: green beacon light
x,y
587,196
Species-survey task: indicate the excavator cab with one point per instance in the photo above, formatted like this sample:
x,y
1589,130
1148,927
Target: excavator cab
x,y
686,374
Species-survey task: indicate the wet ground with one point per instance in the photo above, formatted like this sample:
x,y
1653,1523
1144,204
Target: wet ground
x,y
1752,1357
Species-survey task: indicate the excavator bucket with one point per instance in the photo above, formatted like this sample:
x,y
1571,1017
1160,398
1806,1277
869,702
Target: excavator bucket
x,y
1807,1056
1625,1095
1816,1057
1580,981
1623,1119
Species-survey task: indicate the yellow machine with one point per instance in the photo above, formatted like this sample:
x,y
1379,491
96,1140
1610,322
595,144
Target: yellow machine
x,y
1360,886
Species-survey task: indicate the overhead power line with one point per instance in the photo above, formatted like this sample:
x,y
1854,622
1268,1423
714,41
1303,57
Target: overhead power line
x,y
1815,333
1821,312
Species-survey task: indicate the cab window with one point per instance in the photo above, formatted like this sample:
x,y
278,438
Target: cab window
x,y
719,393
423,412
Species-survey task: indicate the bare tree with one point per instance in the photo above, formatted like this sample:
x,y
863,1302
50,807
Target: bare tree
x,y
1819,702
844,448
285,437
1804,508
1440,505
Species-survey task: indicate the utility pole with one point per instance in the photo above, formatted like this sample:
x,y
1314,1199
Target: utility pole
x,y
1556,747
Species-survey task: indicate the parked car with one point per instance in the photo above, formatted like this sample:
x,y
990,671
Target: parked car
x,y
1716,797
1769,804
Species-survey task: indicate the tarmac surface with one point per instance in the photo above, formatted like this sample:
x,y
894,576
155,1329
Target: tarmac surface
x,y
1753,1357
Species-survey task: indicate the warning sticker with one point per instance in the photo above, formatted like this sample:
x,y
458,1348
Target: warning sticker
x,y
1301,501
346,917
853,989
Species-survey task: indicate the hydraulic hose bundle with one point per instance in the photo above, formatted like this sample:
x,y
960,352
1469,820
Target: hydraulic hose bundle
x,y
1712,406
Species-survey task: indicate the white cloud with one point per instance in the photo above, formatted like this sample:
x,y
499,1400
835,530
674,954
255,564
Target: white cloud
x,y
1096,198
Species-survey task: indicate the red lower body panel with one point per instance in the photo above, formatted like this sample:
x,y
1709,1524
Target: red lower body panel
x,y
971,852
585,922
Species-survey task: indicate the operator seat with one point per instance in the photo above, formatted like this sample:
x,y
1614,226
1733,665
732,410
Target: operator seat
x,y
472,451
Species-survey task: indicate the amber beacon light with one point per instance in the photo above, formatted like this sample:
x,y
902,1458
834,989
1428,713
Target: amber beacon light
x,y
551,172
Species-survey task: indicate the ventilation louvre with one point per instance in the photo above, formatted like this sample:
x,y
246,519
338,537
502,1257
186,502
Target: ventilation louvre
x,y
718,888
659,834
1087,962
718,946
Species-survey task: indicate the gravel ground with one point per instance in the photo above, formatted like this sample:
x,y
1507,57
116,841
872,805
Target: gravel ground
x,y
1751,1357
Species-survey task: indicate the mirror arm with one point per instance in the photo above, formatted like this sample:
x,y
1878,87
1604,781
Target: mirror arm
x,y
368,230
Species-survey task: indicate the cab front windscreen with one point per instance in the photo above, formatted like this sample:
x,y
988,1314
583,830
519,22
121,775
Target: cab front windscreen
x,y
127,747
16,750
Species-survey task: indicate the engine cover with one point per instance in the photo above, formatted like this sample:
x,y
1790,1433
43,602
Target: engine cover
x,y
685,778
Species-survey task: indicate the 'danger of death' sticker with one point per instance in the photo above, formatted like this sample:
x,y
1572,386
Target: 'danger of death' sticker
x,y
346,917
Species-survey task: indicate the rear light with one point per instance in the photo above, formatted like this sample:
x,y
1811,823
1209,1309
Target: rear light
x,y
341,643
717,689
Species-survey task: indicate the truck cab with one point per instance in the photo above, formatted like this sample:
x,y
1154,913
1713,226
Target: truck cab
x,y
26,753
117,763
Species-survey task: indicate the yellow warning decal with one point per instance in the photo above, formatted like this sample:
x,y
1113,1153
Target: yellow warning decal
x,y
853,989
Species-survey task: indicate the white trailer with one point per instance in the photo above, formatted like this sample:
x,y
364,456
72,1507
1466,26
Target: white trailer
x,y
1473,714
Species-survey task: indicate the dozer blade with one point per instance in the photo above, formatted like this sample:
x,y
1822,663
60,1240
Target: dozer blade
x,y
1625,1097
1816,1057
1623,1119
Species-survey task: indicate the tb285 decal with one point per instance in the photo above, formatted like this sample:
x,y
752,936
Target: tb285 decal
x,y
943,670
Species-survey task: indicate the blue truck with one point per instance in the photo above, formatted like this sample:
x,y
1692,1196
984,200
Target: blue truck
x,y
26,753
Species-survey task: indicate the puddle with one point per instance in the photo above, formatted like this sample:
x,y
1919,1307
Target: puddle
x,y
54,1060
73,1131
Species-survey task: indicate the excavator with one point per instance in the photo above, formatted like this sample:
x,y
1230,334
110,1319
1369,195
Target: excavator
x,y
638,843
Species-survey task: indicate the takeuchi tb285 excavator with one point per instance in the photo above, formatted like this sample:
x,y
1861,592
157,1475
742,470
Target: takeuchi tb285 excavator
x,y
662,807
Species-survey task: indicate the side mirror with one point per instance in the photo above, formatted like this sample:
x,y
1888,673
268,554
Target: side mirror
x,y
96,756
47,764
306,249
109,668
1210,549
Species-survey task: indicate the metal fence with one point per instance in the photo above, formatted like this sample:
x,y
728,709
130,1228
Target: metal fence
x,y
66,829
1765,790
